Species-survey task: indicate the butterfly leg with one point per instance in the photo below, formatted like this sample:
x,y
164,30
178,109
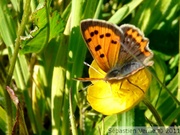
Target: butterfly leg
x,y
135,85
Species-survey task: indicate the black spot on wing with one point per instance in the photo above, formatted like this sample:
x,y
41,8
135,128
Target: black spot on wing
x,y
108,34
88,40
101,36
96,32
113,42
102,55
97,48
92,34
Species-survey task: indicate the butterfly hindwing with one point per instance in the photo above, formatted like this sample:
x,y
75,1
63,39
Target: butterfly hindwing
x,y
102,40
134,54
134,45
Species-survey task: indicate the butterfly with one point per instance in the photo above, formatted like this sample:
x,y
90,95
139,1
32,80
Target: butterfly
x,y
118,51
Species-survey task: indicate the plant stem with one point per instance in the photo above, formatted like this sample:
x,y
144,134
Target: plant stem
x,y
126,119
154,112
179,66
12,66
72,118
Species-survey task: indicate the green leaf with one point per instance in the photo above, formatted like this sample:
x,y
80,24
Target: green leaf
x,y
48,26
124,11
3,119
151,13
164,103
105,124
56,25
174,114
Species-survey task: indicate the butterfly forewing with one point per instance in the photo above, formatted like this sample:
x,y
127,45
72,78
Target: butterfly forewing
x,y
102,40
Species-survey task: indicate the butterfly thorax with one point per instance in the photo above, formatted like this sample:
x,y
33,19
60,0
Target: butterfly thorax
x,y
123,71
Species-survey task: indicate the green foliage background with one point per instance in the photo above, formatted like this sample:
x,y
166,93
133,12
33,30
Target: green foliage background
x,y
42,51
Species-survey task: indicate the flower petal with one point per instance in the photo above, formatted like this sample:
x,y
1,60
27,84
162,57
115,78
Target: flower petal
x,y
117,96
96,71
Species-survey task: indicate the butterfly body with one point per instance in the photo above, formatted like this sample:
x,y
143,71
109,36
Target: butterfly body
x,y
118,73
118,51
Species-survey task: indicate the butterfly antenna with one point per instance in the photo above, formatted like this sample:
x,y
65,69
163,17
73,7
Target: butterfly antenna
x,y
85,63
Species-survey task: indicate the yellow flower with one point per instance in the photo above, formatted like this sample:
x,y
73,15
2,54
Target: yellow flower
x,y
116,96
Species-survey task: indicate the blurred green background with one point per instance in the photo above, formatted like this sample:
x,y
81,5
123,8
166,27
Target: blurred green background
x,y
42,50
